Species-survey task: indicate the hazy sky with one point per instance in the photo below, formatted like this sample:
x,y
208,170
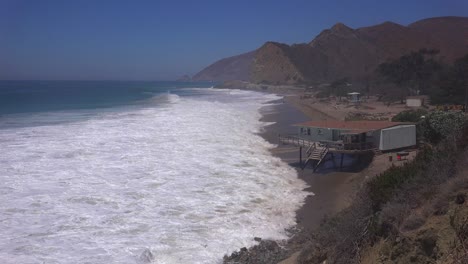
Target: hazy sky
x,y
161,40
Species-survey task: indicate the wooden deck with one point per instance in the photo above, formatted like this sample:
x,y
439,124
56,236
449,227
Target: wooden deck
x,y
333,146
316,152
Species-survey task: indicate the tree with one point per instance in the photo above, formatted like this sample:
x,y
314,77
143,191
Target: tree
x,y
339,87
452,85
461,71
412,73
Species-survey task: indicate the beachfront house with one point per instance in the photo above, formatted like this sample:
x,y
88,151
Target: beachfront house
x,y
359,135
320,138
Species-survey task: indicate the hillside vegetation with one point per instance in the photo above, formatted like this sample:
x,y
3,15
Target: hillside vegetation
x,y
420,73
415,213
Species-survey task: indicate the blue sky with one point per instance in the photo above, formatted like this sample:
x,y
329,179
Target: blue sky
x,y
162,40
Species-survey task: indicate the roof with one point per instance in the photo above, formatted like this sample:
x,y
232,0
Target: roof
x,y
417,97
354,126
354,132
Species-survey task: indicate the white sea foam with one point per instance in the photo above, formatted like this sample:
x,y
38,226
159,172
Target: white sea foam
x,y
185,182
165,98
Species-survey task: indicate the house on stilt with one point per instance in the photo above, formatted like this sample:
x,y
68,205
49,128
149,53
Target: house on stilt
x,y
320,138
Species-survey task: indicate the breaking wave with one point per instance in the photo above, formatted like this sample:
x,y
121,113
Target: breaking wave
x,y
185,181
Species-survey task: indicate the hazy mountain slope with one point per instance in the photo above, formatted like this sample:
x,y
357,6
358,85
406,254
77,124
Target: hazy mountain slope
x,y
232,68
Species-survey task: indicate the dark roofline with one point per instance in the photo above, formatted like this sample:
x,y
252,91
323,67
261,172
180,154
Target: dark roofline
x,y
363,126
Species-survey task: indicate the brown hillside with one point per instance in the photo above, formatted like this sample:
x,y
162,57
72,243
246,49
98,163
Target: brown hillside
x,y
344,54
341,52
391,40
273,64
449,34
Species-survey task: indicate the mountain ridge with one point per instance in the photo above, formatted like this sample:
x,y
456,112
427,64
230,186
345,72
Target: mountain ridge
x,y
231,68
342,51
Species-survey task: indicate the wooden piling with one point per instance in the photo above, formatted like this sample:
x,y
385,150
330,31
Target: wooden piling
x,y
300,156
341,161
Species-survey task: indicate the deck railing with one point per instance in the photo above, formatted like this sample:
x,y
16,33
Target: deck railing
x,y
294,140
337,145
358,146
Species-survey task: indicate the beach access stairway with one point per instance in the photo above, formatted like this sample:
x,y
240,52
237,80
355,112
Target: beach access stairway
x,y
316,151
333,146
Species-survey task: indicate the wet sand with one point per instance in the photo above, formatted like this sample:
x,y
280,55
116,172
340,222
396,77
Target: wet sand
x,y
331,189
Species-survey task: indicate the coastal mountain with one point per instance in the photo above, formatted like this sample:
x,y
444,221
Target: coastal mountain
x,y
232,68
184,78
341,52
449,34
273,62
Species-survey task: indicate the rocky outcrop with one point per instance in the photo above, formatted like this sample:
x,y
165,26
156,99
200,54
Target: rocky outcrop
x,y
266,252
273,64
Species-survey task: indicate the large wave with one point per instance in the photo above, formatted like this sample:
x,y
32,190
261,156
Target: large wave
x,y
184,183
164,98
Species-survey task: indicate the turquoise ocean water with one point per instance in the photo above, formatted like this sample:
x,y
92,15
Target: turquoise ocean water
x,y
137,172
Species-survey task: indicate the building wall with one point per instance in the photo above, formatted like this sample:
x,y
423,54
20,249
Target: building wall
x,y
316,134
397,137
374,138
413,102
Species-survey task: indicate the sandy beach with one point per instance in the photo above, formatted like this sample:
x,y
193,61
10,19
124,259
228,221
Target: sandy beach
x,y
331,190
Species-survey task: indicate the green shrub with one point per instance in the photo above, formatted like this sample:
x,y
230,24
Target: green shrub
x,y
439,125
385,204
383,187
410,116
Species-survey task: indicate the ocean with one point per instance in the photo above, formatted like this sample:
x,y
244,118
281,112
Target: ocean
x,y
137,172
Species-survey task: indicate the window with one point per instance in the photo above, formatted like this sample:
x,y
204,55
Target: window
x,y
308,131
319,132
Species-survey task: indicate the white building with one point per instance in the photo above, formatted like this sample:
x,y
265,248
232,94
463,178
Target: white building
x,y
360,135
416,101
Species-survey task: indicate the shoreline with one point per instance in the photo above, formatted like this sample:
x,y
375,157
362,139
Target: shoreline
x,y
329,192
323,201
332,190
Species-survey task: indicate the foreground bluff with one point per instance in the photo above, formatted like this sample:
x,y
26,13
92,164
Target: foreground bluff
x,y
342,52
